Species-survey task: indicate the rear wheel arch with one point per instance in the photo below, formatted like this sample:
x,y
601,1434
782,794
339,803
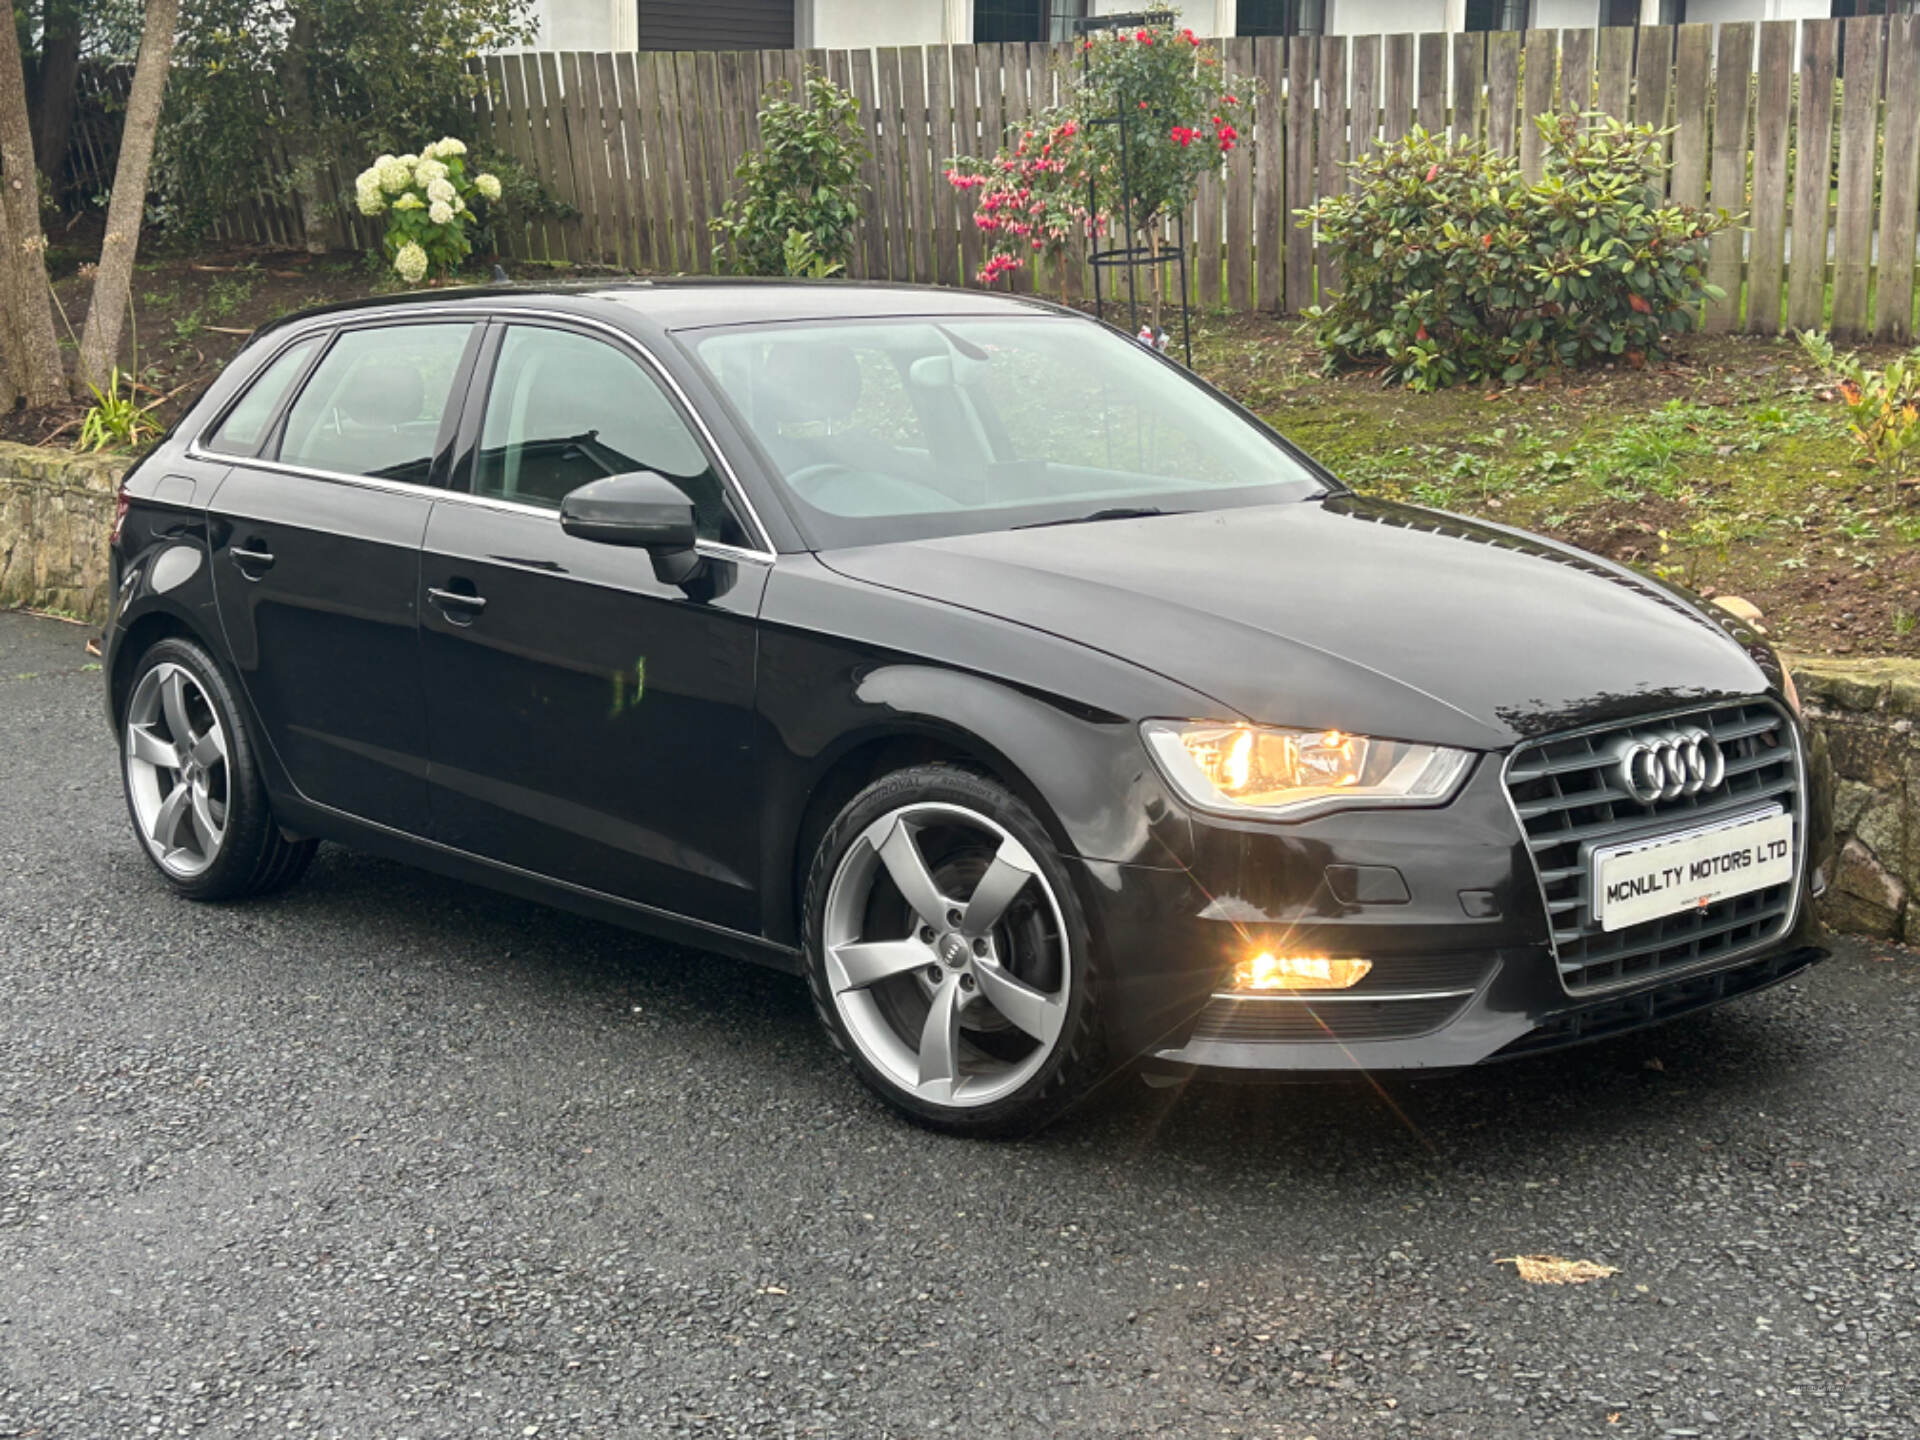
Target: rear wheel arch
x,y
140,637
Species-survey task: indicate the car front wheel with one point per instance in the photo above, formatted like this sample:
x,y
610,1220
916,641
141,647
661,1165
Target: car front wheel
x,y
193,783
948,954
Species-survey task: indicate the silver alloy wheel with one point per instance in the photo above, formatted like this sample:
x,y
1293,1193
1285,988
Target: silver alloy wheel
x,y
176,756
967,1004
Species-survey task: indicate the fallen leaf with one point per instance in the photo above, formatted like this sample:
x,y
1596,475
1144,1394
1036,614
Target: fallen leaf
x,y
1552,1270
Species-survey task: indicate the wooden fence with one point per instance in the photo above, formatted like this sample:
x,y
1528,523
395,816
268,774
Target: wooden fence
x,y
1827,169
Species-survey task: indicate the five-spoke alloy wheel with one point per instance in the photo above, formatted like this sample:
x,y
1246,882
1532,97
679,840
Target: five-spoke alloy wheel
x,y
194,790
947,953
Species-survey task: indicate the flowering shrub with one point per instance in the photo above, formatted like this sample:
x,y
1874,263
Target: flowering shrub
x,y
1883,406
428,200
1457,269
1182,117
804,178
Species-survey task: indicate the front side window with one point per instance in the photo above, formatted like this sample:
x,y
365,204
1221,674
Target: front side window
x,y
565,409
375,403
246,424
896,429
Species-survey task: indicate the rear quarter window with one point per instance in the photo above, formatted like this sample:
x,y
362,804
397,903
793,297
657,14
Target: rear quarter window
x,y
246,423
375,402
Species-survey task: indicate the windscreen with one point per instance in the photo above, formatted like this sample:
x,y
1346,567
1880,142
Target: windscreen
x,y
898,429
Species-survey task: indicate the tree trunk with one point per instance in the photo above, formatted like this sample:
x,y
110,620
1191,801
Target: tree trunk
x,y
296,92
59,73
106,312
35,349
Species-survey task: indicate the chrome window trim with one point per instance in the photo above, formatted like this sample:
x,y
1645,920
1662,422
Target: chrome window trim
x,y
765,554
1802,845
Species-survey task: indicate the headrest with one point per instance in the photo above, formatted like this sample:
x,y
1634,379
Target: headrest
x,y
383,396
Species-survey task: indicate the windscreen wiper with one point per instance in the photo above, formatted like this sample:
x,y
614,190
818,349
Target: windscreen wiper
x,y
1118,512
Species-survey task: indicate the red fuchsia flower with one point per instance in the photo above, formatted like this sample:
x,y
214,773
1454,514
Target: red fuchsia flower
x,y
1433,174
1069,128
1190,37
1039,244
1145,37
1226,144
1183,136
1229,99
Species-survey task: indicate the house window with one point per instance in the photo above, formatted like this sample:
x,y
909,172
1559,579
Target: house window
x,y
995,21
1620,12
1281,17
1496,14
1851,9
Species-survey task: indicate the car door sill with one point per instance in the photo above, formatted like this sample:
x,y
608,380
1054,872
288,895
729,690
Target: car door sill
x,y
308,818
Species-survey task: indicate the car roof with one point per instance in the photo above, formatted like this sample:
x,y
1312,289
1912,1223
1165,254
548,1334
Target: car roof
x,y
683,303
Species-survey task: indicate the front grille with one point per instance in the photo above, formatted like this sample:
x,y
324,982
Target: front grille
x,y
1249,1020
1570,801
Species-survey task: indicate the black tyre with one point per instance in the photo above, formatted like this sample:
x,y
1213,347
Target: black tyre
x,y
948,954
192,781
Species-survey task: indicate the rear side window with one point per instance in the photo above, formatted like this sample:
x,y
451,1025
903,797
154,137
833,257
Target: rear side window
x,y
246,424
374,404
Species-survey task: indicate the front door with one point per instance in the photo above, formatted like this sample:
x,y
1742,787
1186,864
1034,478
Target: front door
x,y
316,562
588,721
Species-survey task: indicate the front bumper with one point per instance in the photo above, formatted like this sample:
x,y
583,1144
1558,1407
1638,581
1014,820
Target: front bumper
x,y
1462,970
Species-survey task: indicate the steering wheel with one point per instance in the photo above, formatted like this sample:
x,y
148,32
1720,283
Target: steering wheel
x,y
810,480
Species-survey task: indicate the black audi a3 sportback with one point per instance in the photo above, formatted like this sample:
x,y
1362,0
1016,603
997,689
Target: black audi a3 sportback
x,y
1043,708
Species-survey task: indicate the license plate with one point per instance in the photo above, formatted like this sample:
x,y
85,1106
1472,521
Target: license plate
x,y
1666,874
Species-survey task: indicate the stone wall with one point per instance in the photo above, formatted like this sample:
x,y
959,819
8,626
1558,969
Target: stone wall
x,y
1867,710
55,511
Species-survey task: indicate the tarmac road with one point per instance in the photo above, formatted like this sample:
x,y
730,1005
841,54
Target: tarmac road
x,y
391,1156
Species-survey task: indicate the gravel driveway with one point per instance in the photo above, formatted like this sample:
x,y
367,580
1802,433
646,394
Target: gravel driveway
x,y
389,1156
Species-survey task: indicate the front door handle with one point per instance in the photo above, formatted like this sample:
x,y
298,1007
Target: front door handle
x,y
251,560
455,600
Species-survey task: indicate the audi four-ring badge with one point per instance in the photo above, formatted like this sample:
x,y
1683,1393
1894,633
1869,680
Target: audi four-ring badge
x,y
1040,708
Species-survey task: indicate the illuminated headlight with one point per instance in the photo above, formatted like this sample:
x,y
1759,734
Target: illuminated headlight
x,y
1260,771
1267,971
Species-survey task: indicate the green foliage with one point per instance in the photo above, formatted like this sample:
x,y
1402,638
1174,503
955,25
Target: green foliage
x,y
802,257
378,75
1181,115
1456,269
804,177
115,421
1883,406
430,202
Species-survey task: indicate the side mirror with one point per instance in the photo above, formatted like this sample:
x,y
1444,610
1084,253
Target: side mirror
x,y
644,510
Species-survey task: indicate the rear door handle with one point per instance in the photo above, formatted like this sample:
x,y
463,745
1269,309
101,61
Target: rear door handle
x,y
251,560
453,599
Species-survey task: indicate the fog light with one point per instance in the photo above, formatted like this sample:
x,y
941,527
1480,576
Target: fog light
x,y
1267,971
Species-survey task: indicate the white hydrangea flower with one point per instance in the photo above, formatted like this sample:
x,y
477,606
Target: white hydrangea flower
x,y
442,191
367,193
440,213
396,173
487,185
409,201
446,146
426,170
410,263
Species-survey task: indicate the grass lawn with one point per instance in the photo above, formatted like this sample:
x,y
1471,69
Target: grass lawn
x,y
1723,469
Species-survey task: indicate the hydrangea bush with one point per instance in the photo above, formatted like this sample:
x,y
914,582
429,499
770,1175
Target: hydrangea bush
x,y
1184,115
428,200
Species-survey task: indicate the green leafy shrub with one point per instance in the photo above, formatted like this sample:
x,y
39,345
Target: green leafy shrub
x,y
805,177
1456,269
1883,406
115,421
429,202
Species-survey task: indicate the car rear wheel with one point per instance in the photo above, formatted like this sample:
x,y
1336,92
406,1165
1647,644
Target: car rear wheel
x,y
193,786
948,954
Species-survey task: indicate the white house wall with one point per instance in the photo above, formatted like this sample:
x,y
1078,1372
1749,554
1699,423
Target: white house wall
x,y
1385,17
857,24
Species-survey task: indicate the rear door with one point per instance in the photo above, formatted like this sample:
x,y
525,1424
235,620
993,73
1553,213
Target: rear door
x,y
590,722
316,558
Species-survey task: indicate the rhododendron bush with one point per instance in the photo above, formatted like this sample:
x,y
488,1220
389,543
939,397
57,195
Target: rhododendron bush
x,y
1184,115
1456,269
428,200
